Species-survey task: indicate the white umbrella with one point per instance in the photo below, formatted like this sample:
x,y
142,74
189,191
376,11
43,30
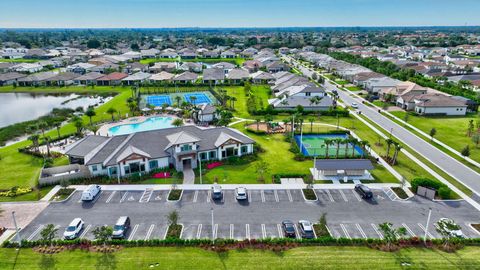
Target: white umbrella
x,y
145,109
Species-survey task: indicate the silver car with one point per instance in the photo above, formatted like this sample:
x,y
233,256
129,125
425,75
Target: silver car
x,y
241,194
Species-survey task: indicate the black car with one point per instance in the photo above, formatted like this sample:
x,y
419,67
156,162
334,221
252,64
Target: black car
x,y
364,191
288,229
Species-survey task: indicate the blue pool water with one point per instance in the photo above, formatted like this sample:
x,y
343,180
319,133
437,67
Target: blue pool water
x,y
200,98
151,123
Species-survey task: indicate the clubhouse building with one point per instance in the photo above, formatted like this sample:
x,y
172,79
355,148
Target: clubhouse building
x,y
142,152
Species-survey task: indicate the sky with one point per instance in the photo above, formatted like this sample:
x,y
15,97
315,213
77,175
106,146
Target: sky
x,y
235,13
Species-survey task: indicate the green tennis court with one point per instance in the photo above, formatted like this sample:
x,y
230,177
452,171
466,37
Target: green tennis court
x,y
314,145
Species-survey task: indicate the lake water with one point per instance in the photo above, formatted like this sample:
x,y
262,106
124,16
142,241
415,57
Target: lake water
x,y
20,107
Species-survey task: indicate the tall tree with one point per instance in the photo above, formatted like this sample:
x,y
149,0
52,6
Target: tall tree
x,y
112,111
433,132
90,113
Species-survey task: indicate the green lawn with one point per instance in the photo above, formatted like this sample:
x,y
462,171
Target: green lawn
x,y
450,130
196,258
353,88
21,60
260,91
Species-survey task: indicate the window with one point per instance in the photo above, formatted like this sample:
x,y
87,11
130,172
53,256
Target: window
x,y
153,164
203,156
213,154
126,169
186,147
244,149
307,94
94,168
113,170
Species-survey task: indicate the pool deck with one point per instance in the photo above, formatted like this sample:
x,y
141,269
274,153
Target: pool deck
x,y
103,131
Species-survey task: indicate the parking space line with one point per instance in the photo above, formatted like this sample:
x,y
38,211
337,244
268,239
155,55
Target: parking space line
x,y
296,231
356,195
85,231
279,228
234,197
143,194
330,195
209,194
276,195
343,195
361,230
215,229
135,228
35,233
408,230
264,231
247,231
345,231
249,196
376,230
199,231
263,195
425,230
123,197
195,195
232,228
149,232
111,196
150,196
289,195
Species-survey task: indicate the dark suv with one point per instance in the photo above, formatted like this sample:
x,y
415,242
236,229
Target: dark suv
x,y
288,229
364,191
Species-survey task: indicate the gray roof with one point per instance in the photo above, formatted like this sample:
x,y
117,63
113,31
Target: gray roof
x,y
343,164
139,76
186,76
38,77
11,76
238,74
213,74
206,108
89,76
65,76
154,142
85,145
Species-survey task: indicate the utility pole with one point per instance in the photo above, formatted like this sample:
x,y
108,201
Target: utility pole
x,y
17,235
426,227
213,226
200,168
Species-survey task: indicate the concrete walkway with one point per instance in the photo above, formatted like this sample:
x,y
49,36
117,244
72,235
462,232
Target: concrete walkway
x,y
188,176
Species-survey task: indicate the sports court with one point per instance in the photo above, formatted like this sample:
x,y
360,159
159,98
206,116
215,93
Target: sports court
x,y
199,98
159,100
315,145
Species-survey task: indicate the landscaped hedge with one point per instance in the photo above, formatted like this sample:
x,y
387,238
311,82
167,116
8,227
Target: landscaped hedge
x,y
443,191
278,176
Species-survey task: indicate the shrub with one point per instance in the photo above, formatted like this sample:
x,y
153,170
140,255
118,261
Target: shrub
x,y
174,194
309,194
443,191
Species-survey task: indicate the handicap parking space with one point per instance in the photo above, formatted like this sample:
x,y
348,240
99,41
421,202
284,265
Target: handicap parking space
x,y
131,197
159,196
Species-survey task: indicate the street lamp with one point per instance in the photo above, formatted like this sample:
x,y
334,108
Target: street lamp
x,y
391,132
426,227
213,222
17,235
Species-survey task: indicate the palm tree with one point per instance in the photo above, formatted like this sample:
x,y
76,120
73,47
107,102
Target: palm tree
x,y
193,99
178,99
346,141
43,127
257,121
112,112
354,143
132,105
311,120
57,125
398,147
268,119
177,122
90,113
34,138
327,143
94,129
389,144
233,99
338,141
78,123
364,145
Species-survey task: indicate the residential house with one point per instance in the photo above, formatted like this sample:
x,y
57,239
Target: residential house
x,y
136,78
6,66
62,79
135,67
252,65
211,54
439,104
185,77
36,79
228,54
150,53
142,152
225,66
206,113
168,54
310,97
162,77
10,78
27,67
238,75
188,54
375,85
213,75
262,77
88,78
80,68
191,66
131,55
163,66
277,66
105,68
112,79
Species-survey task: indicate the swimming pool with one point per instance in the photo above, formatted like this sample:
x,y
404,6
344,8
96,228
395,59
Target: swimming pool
x,y
314,145
151,123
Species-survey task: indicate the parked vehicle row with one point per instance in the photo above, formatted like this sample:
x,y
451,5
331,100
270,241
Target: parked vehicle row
x,y
120,229
305,229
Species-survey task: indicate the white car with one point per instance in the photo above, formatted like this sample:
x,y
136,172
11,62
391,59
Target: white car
x,y
354,105
91,192
241,193
73,230
453,233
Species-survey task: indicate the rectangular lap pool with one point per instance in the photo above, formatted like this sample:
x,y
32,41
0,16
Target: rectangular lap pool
x,y
315,145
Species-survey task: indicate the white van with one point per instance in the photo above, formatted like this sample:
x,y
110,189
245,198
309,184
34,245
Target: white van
x,y
90,192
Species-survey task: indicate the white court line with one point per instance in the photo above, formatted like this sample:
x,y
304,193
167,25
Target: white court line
x,y
215,229
150,230
408,230
361,230
123,197
111,196
376,230
263,195
330,195
276,195
289,195
199,231
264,231
195,196
150,196
143,194
423,229
247,231
209,194
249,196
232,228
296,231
345,231
85,231
356,195
343,195
35,233
279,228
135,228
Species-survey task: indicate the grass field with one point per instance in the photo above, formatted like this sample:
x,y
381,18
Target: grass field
x,y
198,259
21,60
450,130
260,91
315,146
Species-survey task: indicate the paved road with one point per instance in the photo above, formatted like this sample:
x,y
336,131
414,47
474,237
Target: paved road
x,y
459,171
259,217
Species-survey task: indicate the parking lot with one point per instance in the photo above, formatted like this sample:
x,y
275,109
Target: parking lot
x,y
260,216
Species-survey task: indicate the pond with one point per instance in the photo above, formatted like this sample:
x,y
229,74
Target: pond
x,y
20,107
